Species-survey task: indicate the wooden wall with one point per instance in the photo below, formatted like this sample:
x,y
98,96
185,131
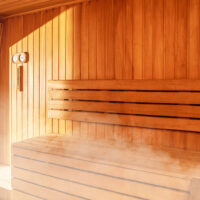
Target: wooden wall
x,y
4,99
116,39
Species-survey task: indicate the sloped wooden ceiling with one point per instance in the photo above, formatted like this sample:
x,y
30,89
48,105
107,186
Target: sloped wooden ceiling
x,y
15,7
1,33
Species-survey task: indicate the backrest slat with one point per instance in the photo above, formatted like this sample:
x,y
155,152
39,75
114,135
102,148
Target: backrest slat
x,y
128,96
162,85
173,105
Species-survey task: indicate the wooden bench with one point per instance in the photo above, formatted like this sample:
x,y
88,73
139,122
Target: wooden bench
x,y
62,168
158,104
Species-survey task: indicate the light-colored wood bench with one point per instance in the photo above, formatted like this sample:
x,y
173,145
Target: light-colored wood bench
x,y
59,167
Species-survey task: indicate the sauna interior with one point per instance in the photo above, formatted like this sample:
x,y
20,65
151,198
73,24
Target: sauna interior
x,y
100,100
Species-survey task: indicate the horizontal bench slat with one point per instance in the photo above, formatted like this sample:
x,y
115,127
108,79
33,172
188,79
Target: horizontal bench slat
x,y
44,193
128,96
136,162
17,195
129,120
175,85
96,166
71,187
144,150
128,108
99,181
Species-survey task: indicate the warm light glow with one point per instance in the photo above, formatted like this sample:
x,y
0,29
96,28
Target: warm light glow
x,y
5,177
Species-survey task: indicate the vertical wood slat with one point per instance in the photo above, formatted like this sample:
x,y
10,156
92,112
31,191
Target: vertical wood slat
x,y
138,39
119,43
19,113
100,40
30,86
109,39
109,50
55,62
62,56
49,64
193,39
3,97
158,39
147,39
181,39
42,78
14,96
84,56
36,81
128,67
69,55
169,38
92,53
100,128
25,92
1,33
77,57
8,143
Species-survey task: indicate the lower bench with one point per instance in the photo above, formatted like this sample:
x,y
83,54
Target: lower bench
x,y
63,168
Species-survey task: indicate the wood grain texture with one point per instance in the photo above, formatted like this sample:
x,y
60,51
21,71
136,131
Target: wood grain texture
x,y
128,96
146,85
160,41
97,173
128,108
1,32
128,120
14,8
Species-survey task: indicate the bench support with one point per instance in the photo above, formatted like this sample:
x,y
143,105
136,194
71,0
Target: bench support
x,y
195,190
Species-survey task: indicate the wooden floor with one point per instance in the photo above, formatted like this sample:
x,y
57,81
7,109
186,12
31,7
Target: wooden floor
x,y
68,168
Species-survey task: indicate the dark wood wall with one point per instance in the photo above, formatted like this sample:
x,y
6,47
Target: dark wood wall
x,y
116,39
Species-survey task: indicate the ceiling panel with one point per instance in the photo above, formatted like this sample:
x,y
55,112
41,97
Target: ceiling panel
x,y
15,7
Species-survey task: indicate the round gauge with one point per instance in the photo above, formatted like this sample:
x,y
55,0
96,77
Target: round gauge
x,y
23,57
15,58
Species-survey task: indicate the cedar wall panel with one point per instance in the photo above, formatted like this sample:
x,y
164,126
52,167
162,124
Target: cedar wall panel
x,y
116,39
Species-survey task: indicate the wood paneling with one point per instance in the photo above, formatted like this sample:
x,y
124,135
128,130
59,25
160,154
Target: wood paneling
x,y
157,39
4,96
1,33
136,85
12,7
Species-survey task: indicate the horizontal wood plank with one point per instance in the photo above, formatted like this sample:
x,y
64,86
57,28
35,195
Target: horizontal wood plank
x,y
167,85
128,96
63,141
99,180
39,191
129,120
155,164
16,195
70,187
107,168
128,108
